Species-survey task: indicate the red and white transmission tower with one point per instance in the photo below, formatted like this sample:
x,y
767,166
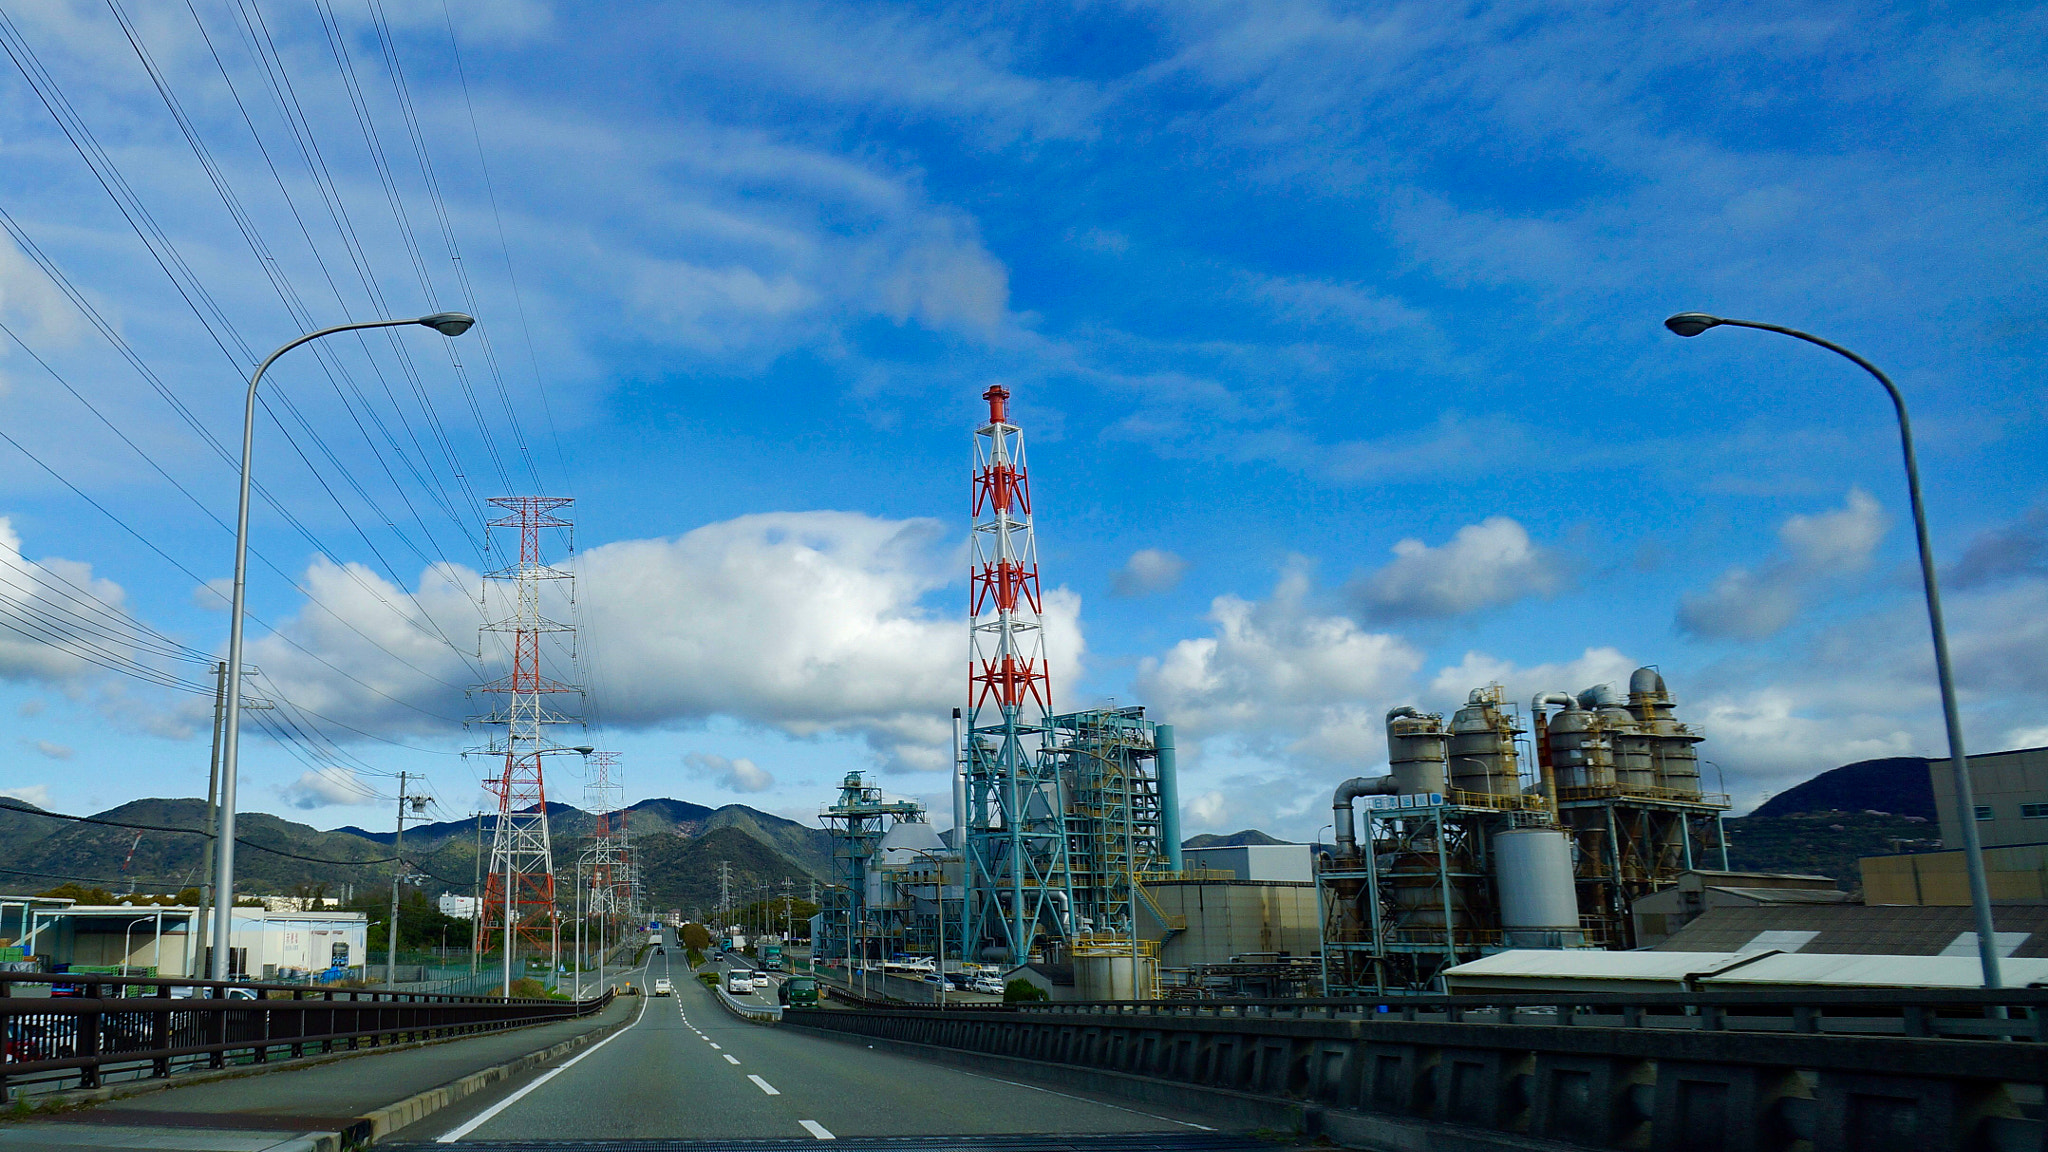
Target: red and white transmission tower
x,y
519,894
1018,886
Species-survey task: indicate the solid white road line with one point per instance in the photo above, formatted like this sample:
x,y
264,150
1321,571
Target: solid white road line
x,y
764,1086
516,1097
1085,1100
731,1059
817,1129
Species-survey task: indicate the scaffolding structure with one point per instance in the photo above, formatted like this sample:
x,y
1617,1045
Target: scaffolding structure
x,y
851,927
1107,761
1018,892
519,888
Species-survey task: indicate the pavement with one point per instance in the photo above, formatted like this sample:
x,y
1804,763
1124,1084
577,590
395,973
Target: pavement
x,y
297,1107
691,1071
681,1069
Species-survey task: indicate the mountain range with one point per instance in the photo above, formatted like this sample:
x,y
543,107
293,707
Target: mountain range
x,y
680,845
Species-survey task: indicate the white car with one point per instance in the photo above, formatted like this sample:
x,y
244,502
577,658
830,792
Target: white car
x,y
663,988
988,986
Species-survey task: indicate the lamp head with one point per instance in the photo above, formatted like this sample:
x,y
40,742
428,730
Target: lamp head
x,y
583,749
448,323
1691,323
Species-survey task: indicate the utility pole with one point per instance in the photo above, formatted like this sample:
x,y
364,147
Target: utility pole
x,y
476,896
220,706
398,877
724,895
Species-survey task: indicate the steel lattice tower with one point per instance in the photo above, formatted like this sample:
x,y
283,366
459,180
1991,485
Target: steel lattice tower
x,y
611,886
1016,874
520,886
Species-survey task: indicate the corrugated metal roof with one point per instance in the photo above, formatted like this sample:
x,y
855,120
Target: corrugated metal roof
x,y
1582,964
1812,970
1858,929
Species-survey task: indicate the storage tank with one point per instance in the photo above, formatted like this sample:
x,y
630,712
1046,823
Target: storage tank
x,y
1539,904
1101,974
1579,752
1675,761
1482,746
1415,750
1416,890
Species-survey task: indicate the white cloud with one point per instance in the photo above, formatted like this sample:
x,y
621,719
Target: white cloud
x,y
216,595
1451,684
808,623
1280,676
30,303
53,750
734,775
1752,604
1149,570
2035,737
36,794
327,788
1483,565
55,597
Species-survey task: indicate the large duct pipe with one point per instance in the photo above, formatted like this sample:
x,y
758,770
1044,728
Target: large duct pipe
x,y
1544,770
1340,808
1169,795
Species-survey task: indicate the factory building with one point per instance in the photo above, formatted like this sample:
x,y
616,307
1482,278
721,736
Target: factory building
x,y
2012,821
1470,847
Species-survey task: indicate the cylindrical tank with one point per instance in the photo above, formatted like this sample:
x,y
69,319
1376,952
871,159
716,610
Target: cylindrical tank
x,y
1415,750
1674,760
1417,893
1635,768
1539,904
1579,752
1106,976
1482,746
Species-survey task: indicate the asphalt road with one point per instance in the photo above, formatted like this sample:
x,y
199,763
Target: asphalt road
x,y
688,1069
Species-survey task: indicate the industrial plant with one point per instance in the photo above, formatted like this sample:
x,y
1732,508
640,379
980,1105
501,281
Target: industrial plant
x,y
1494,830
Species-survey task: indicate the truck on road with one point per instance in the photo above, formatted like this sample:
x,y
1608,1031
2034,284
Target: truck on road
x,y
771,957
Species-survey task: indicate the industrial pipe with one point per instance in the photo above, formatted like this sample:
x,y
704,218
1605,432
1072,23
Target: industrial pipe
x,y
1545,772
1340,808
1169,795
1396,713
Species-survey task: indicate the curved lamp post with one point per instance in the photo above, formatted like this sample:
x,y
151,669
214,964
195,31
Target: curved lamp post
x,y
1694,323
447,324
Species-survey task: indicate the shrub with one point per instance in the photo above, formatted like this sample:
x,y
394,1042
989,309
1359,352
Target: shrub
x,y
1023,992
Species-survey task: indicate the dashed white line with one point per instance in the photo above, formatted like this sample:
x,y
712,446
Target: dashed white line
x,y
713,1045
508,1101
817,1129
764,1086
731,1059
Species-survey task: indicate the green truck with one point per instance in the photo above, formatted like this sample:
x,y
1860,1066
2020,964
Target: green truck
x,y
799,992
771,957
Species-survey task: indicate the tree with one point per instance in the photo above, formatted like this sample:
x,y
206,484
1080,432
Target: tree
x,y
696,937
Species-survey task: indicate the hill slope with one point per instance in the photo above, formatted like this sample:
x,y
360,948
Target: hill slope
x,y
1234,839
1899,785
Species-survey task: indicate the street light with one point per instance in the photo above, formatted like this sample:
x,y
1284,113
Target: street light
x,y
447,324
1694,323
939,907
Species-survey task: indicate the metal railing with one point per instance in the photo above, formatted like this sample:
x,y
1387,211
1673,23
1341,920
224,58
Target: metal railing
x,y
91,1030
1762,1071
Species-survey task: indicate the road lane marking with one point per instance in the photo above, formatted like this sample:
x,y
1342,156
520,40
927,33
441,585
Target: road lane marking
x,y
764,1086
713,1045
731,1059
1085,1100
817,1129
516,1097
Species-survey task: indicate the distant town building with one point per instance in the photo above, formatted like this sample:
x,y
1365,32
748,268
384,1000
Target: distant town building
x,y
298,903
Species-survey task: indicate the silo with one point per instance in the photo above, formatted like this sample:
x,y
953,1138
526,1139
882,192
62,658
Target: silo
x,y
1482,746
1539,904
1415,750
1415,886
1579,752
1674,759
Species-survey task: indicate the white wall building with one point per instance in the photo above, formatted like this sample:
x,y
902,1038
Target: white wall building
x,y
460,907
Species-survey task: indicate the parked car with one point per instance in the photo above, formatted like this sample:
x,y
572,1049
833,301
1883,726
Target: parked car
x,y
663,988
988,986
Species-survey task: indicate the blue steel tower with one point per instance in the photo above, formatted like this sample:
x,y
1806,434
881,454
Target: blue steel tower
x,y
1019,891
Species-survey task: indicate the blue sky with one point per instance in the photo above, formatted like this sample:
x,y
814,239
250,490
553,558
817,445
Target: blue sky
x,y
1334,330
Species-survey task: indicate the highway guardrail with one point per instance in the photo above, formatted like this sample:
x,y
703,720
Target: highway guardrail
x,y
92,1028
